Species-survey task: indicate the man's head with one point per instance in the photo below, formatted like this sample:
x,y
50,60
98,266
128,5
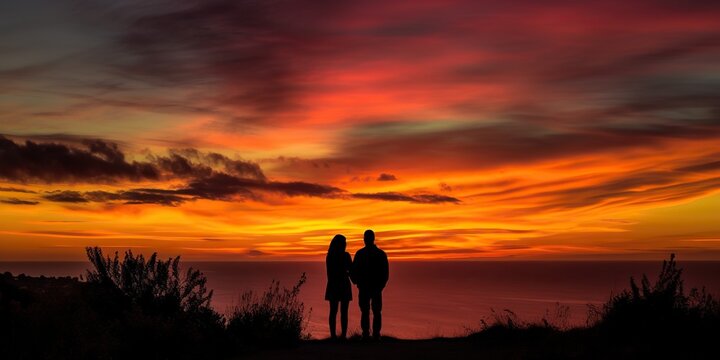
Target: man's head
x,y
369,237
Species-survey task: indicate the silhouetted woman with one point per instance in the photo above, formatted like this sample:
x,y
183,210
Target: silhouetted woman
x,y
338,291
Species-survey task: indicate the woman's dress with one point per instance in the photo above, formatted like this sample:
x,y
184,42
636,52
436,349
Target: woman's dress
x,y
338,278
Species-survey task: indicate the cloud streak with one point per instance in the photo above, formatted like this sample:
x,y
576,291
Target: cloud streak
x,y
224,187
16,201
480,146
421,198
16,190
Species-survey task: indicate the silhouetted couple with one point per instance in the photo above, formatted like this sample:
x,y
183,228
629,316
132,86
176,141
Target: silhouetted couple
x,y
369,271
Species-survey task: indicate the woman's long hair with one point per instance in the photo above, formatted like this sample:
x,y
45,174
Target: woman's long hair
x,y
337,246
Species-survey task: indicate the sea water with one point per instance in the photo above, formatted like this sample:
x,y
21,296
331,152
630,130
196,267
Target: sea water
x,y
434,298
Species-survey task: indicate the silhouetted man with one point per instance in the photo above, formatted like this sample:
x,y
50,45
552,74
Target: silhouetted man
x,y
370,274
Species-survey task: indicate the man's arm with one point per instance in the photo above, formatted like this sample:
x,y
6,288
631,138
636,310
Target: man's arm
x,y
385,270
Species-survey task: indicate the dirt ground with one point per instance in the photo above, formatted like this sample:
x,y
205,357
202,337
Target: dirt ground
x,y
391,349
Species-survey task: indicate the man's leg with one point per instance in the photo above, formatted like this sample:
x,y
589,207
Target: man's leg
x,y
377,314
364,302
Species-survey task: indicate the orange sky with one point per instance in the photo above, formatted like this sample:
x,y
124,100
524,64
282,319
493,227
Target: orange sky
x,y
472,129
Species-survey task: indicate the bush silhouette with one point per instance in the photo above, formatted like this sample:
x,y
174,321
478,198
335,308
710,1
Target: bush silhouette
x,y
154,307
153,284
138,307
664,304
648,320
659,317
274,318
129,308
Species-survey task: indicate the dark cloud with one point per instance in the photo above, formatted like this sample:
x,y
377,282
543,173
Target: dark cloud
x,y
296,188
219,187
435,199
182,167
386,177
225,187
135,197
62,138
16,201
108,151
66,196
103,162
129,197
54,162
17,190
192,157
395,196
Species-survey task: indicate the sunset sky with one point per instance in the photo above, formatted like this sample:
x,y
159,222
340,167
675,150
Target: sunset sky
x,y
256,130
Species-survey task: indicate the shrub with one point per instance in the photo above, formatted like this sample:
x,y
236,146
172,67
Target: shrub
x,y
138,307
659,319
648,320
153,284
275,318
659,305
149,305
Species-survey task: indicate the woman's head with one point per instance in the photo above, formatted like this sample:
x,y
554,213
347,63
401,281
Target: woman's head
x,y
337,245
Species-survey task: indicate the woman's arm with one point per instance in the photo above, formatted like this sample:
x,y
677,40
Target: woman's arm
x,y
328,271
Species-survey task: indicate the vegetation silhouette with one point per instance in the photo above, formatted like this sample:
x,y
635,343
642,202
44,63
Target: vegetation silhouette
x,y
154,285
650,320
651,306
275,318
137,308
146,308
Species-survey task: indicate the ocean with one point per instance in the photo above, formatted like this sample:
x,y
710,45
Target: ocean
x,y
429,299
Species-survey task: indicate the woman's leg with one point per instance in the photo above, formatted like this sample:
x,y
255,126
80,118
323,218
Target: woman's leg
x,y
344,317
332,318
